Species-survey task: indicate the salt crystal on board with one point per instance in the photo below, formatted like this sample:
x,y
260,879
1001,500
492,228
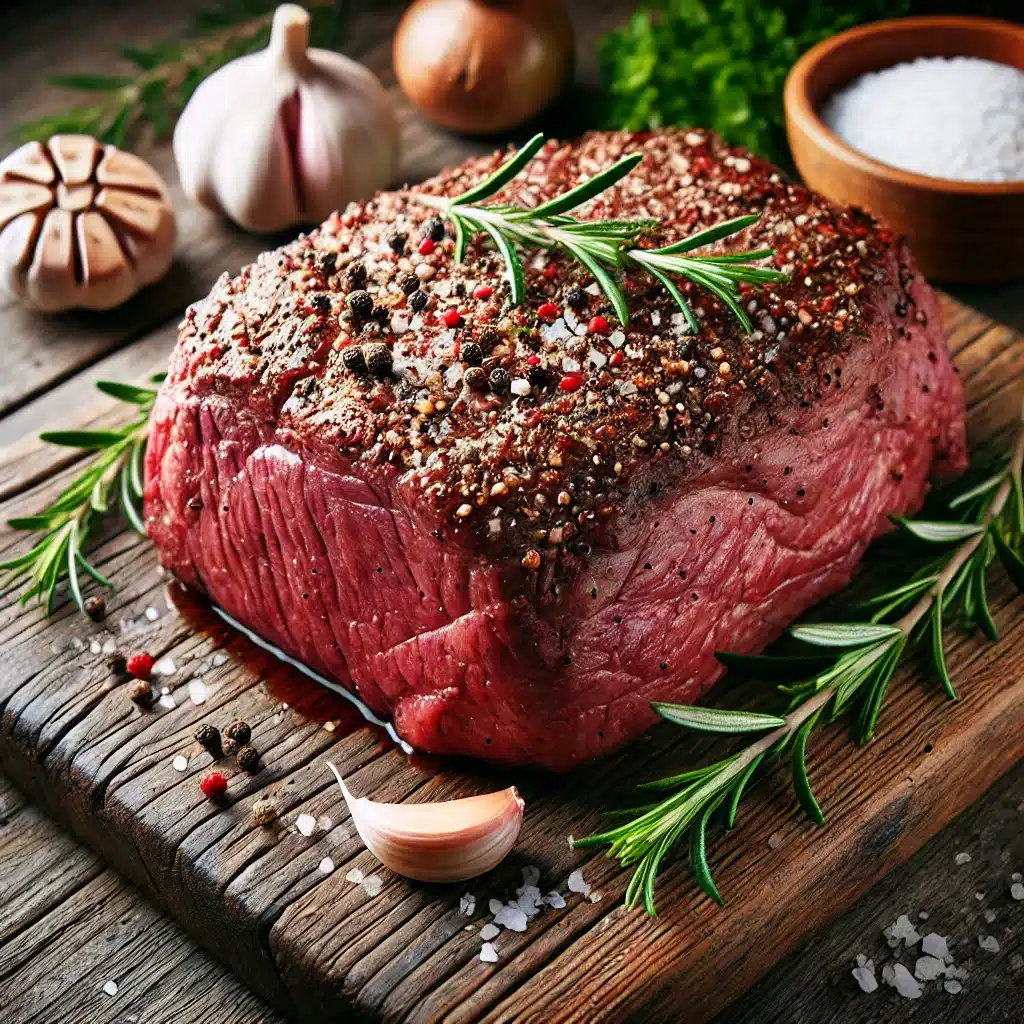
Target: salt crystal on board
x,y
326,866
962,858
596,896
109,646
905,983
324,823
165,667
990,916
989,943
180,763
888,975
1017,891
305,823
928,968
197,691
488,954
902,929
167,701
1017,877
555,900
865,978
1016,962
576,883
952,986
489,931
372,885
936,945
494,906
152,614
511,917
355,875
110,988
467,904
220,658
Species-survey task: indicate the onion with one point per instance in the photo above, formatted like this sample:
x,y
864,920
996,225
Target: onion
x,y
483,65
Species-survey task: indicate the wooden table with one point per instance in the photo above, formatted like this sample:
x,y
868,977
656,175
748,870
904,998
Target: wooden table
x,y
69,925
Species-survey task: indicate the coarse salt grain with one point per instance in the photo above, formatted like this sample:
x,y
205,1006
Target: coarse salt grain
x,y
1017,891
180,763
576,883
372,885
110,988
326,866
989,943
511,917
865,977
488,954
167,701
936,946
305,823
152,614
165,667
355,875
959,118
555,900
928,968
467,903
962,858
197,691
905,983
489,931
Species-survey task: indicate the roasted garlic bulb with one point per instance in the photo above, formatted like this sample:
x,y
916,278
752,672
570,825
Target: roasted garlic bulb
x,y
82,225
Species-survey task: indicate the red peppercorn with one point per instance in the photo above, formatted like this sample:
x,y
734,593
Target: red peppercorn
x,y
550,271
483,291
548,311
140,665
213,785
451,317
617,359
598,325
533,361
426,246
571,382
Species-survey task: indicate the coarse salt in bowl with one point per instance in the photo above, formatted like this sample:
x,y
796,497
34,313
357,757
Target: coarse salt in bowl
x,y
874,120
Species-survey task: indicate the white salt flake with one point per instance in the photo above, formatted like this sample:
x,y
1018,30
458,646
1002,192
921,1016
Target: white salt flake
x,y
324,823
1017,891
488,954
865,978
372,885
109,646
888,974
902,930
305,823
511,917
576,883
962,858
597,359
467,903
617,339
952,986
861,960
165,667
219,659
326,866
528,900
555,900
152,614
774,841
989,943
990,916
110,988
905,983
355,875
936,946
197,691
180,763
520,386
167,701
1017,877
489,931
95,647
494,906
928,968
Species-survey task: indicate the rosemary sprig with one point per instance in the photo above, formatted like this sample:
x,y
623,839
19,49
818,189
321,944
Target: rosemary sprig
x,y
604,247
114,476
167,73
851,679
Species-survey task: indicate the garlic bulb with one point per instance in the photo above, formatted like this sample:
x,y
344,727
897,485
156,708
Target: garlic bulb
x,y
448,841
82,225
287,135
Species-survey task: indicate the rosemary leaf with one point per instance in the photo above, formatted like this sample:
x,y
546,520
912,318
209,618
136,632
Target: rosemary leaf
x,y
587,190
738,789
843,634
938,651
801,784
715,719
698,852
504,174
1011,561
604,280
87,439
939,533
710,235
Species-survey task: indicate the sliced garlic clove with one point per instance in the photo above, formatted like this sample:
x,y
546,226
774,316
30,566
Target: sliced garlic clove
x,y
447,841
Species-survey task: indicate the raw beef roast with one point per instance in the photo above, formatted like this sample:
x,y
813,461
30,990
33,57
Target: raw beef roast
x,y
511,529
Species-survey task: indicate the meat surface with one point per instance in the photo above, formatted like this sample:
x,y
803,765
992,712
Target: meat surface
x,y
516,576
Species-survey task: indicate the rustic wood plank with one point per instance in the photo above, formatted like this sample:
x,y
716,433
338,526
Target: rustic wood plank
x,y
316,944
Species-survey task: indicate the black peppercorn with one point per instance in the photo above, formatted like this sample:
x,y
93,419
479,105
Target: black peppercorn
x,y
361,304
434,229
418,301
321,303
576,298
472,354
381,314
96,608
378,359
355,276
408,283
327,263
141,693
209,737
238,731
353,360
397,243
248,758
499,380
489,339
537,376
475,378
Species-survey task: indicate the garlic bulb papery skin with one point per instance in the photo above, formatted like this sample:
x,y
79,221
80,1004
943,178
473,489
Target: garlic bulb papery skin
x,y
82,225
447,841
288,135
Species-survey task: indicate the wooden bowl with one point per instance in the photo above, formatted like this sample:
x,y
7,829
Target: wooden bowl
x,y
961,232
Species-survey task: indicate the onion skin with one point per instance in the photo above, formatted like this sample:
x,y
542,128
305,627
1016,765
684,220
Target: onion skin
x,y
481,66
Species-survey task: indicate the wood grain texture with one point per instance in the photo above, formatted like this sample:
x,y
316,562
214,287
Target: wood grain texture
x,y
315,944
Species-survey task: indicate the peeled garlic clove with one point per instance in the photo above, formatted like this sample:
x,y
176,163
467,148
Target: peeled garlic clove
x,y
448,841
287,135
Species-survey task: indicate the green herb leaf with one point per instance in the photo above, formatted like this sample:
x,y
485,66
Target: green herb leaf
x,y
939,652
504,174
801,784
843,634
939,533
91,83
716,719
592,187
1012,562
127,392
87,439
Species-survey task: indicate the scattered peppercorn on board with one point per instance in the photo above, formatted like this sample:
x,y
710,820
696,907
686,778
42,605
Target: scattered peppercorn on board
x,y
269,891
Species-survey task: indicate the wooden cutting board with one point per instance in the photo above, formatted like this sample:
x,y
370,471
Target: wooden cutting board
x,y
319,946
315,943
